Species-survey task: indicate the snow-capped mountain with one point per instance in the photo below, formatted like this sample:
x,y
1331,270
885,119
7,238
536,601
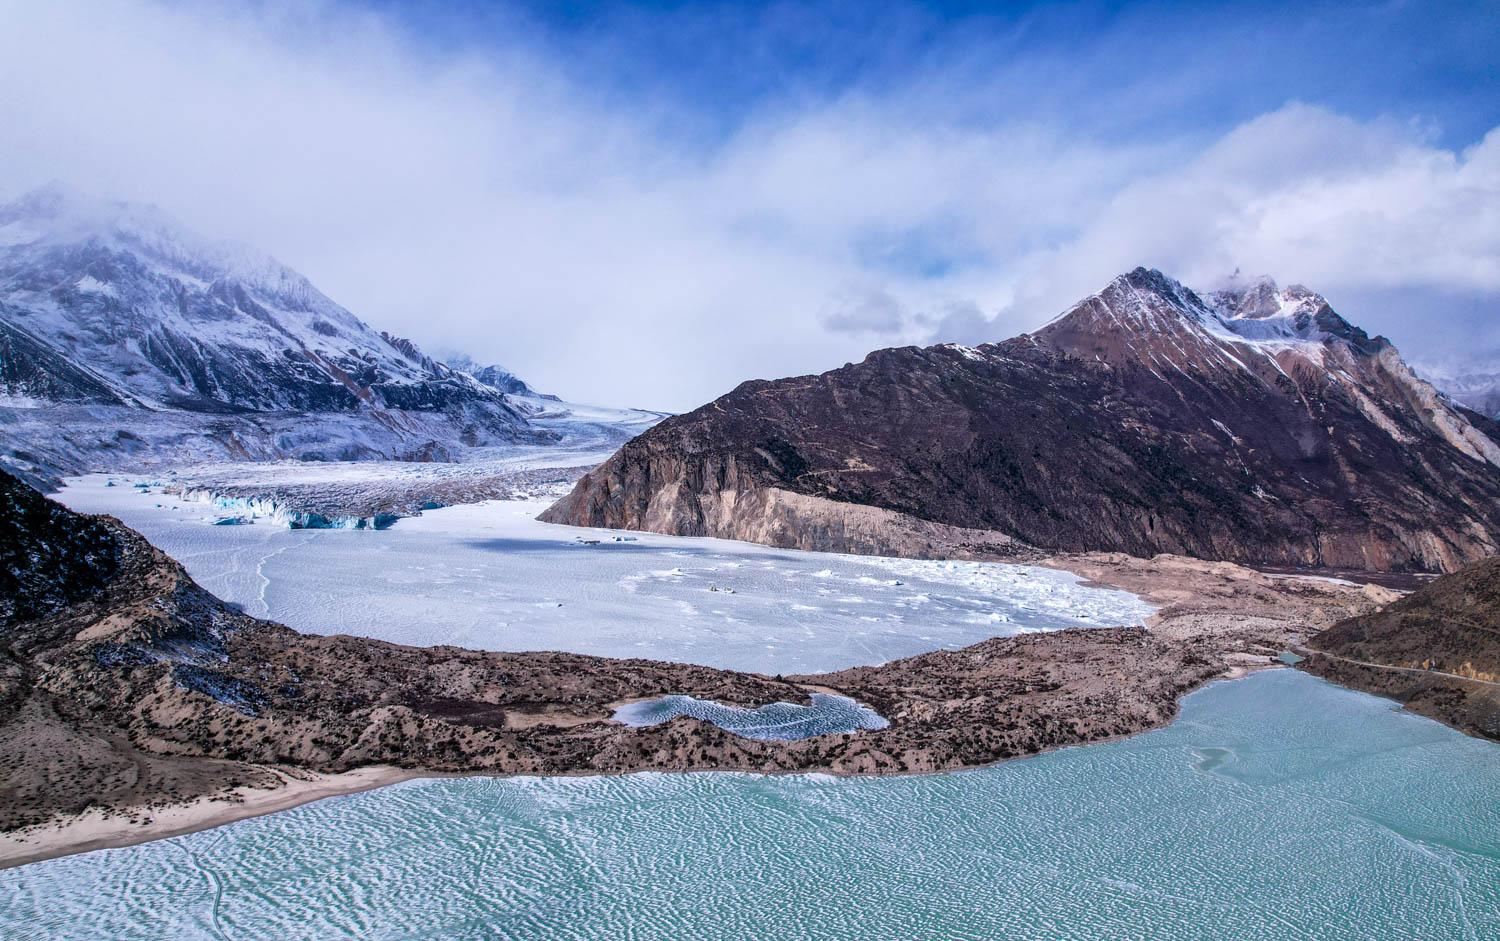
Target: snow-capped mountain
x,y
162,318
1470,384
495,376
107,305
1252,424
1258,330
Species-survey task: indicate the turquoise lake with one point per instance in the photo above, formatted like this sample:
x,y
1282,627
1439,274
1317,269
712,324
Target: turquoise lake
x,y
1277,806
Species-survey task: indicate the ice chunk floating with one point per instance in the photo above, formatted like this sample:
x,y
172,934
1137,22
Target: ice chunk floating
x,y
777,721
489,576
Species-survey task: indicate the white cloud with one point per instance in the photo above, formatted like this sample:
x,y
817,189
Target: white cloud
x,y
494,205
1305,195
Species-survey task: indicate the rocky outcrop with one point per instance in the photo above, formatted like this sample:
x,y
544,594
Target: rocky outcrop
x,y
789,520
1256,425
1437,650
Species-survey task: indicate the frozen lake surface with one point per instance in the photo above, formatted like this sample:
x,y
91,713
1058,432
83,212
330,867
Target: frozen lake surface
x,y
778,721
489,576
1276,807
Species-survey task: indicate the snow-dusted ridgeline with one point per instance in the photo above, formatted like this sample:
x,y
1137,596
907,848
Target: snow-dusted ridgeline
x,y
127,340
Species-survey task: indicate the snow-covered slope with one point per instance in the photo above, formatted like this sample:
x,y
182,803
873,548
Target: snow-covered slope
x,y
166,319
210,346
1474,384
493,375
1275,335
578,427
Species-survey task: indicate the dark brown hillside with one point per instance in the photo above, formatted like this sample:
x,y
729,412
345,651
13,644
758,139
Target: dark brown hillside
x,y
125,687
1436,650
1146,420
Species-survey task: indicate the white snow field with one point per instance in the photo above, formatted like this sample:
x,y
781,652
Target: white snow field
x,y
489,576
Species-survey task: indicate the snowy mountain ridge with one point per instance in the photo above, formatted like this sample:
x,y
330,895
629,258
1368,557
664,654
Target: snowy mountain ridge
x,y
127,337
1252,424
1276,336
167,319
1259,314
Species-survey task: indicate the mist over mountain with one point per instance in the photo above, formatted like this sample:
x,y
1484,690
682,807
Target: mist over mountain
x,y
157,342
1473,382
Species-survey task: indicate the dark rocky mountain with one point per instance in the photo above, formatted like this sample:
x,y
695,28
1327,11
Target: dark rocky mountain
x,y
1252,424
1436,650
49,557
214,350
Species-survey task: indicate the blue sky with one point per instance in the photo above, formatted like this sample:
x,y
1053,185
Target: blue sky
x,y
648,203
1115,69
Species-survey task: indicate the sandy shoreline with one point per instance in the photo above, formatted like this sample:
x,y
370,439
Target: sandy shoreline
x,y
93,830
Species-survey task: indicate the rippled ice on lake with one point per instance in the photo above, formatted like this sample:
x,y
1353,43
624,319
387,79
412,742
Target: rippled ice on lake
x,y
490,576
1276,807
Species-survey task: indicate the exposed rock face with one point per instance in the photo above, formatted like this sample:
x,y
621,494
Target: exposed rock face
x,y
1436,650
1254,425
118,308
49,557
493,375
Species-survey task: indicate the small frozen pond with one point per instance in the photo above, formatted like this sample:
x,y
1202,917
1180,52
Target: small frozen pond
x,y
777,721
490,576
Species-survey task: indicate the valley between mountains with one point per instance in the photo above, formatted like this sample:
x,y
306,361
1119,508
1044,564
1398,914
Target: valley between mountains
x,y
295,556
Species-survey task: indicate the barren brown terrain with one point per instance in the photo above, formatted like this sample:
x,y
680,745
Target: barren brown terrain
x,y
133,693
1137,422
1436,651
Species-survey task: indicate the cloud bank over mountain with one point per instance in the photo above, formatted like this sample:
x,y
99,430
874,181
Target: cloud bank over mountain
x,y
614,241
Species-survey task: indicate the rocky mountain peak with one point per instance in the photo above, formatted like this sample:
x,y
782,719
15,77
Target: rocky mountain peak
x,y
1256,300
493,375
1252,424
1144,315
110,239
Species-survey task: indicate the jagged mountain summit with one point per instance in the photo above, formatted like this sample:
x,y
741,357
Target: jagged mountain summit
x,y
1251,424
213,347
